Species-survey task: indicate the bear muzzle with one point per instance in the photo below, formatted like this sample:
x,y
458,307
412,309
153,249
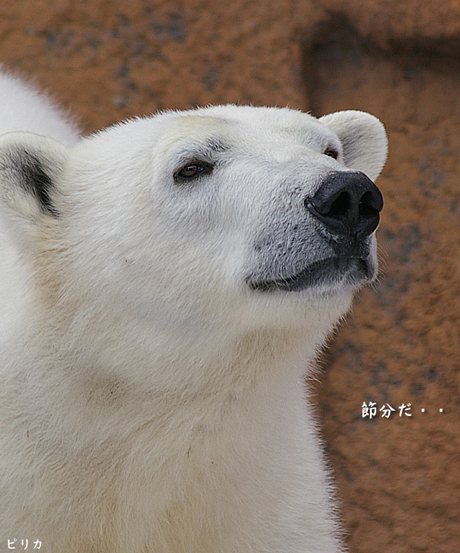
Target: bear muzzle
x,y
346,208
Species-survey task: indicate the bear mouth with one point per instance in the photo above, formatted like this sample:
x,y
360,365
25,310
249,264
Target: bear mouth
x,y
326,272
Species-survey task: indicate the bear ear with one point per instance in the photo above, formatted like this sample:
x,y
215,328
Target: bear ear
x,y
363,138
30,165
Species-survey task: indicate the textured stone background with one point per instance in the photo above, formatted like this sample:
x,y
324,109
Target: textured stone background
x,y
398,478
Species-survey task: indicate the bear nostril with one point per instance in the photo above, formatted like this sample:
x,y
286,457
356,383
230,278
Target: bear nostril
x,y
368,205
347,203
340,207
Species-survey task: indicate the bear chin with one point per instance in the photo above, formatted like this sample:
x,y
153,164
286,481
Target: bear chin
x,y
334,272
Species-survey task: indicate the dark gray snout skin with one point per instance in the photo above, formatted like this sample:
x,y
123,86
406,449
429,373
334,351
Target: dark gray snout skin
x,y
345,212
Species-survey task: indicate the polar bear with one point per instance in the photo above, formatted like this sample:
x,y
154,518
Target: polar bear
x,y
166,285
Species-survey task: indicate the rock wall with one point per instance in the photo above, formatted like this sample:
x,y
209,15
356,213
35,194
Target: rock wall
x,y
399,477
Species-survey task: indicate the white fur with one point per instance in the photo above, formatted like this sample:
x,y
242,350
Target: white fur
x,y
150,401
25,109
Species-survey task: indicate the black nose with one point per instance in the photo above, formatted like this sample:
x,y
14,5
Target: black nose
x,y
347,203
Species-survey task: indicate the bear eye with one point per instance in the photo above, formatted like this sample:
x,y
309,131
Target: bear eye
x,y
331,152
192,171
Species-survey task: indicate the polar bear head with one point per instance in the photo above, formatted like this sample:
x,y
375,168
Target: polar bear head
x,y
224,216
